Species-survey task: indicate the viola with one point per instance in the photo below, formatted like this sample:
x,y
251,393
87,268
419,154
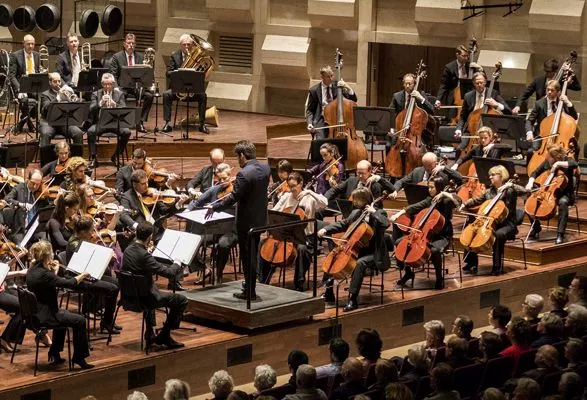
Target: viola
x,y
542,202
60,168
153,196
99,187
342,260
277,251
410,123
278,191
226,190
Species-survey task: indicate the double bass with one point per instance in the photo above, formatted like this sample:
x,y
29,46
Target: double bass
x,y
410,123
457,95
474,121
559,128
339,113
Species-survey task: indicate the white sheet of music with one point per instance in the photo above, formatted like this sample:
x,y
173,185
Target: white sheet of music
x,y
177,245
29,234
4,269
199,216
91,258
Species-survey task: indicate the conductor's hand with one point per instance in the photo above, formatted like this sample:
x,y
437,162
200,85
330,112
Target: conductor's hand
x,y
321,232
209,213
515,110
82,276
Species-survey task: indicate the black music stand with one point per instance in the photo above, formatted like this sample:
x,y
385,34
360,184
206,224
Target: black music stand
x,y
115,119
415,193
67,114
190,82
373,121
37,84
15,154
89,79
137,77
483,165
512,126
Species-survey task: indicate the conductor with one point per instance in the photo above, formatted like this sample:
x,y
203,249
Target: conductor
x,y
250,194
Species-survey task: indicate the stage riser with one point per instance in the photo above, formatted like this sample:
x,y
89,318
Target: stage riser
x,y
196,365
177,149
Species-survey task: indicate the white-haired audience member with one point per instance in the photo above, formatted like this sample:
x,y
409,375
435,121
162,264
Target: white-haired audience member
x,y
435,333
576,322
531,307
136,395
265,377
176,389
220,384
306,385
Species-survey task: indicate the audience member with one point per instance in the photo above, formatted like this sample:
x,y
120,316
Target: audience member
x,y
575,354
385,373
265,377
418,364
558,297
570,386
550,328
434,337
352,372
306,385
369,345
576,322
490,346
520,334
577,291
339,351
294,360
531,307
462,327
499,317
398,391
526,389
442,382
456,353
492,394
220,385
136,395
240,395
546,361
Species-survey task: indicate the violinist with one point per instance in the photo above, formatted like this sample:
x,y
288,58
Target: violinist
x,y
429,169
373,256
544,108
556,161
87,201
486,147
28,198
333,176
540,83
445,204
123,176
476,99
75,174
56,169
309,202
204,179
60,227
498,176
319,96
278,189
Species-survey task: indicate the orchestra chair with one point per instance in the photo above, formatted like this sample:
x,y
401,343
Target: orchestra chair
x,y
28,309
446,137
66,292
114,135
380,286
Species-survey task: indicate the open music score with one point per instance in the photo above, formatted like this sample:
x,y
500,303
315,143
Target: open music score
x,y
91,258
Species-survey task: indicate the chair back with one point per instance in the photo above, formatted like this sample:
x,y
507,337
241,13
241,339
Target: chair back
x,y
336,382
61,257
28,308
424,388
135,294
468,379
473,348
279,392
550,383
497,371
525,362
439,357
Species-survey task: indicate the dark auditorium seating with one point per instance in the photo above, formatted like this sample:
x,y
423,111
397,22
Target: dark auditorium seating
x,y
468,379
525,363
497,371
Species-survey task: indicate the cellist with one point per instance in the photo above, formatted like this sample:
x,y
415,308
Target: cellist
x,y
446,203
498,176
309,202
319,96
373,256
556,160
486,147
476,99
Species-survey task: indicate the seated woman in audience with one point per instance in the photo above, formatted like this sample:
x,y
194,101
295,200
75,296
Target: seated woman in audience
x,y
531,307
546,361
499,317
43,281
385,373
398,391
575,354
456,353
576,322
176,389
220,385
434,338
418,364
306,385
519,333
369,345
558,297
60,226
490,346
265,378
550,328
352,372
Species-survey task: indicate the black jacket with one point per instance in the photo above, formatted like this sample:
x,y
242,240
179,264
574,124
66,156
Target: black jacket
x,y
538,86
64,67
175,61
345,189
250,194
417,176
123,182
120,59
17,68
117,96
203,179
477,151
399,102
540,111
21,194
47,97
469,101
314,103
449,81
569,190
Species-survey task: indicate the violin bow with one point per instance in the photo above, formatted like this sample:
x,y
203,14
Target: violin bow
x,y
43,192
5,240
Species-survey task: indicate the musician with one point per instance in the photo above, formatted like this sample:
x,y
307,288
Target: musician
x,y
128,58
319,96
26,196
60,226
55,94
545,107
439,242
124,174
107,97
69,63
476,99
498,176
540,83
175,62
277,189
75,174
309,202
401,99
205,177
486,147
374,255
43,281
364,178
430,168
139,261
328,180
453,71
24,62
556,160
14,331
250,193
56,169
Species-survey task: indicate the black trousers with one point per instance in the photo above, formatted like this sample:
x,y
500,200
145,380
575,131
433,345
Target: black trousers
x,y
201,99
123,137
563,215
48,132
225,243
15,330
107,287
363,263
147,98
175,304
437,247
246,250
80,339
502,234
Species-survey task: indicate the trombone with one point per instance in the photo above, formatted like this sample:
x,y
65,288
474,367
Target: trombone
x,y
43,59
86,63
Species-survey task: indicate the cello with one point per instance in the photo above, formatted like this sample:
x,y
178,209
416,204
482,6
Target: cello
x,y
339,112
474,121
458,96
276,251
560,128
342,260
410,123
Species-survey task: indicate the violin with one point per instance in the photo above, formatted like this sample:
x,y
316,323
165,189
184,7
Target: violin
x,y
60,168
153,196
100,188
542,202
331,172
157,175
277,251
342,260
227,189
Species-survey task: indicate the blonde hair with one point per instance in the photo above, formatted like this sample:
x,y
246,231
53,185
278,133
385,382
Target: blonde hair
x,y
556,151
74,163
41,251
485,130
501,171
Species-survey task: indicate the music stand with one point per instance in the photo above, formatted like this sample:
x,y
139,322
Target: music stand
x,y
177,245
483,165
15,154
34,83
67,114
344,206
114,119
89,79
415,193
513,126
372,121
341,144
190,82
137,77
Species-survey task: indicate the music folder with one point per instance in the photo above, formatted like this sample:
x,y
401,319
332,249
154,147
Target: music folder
x,y
4,269
177,245
91,258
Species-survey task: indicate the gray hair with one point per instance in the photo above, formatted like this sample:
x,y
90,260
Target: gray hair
x,y
184,37
578,316
418,357
108,76
436,329
54,75
176,389
552,323
220,383
265,377
223,167
534,304
136,395
306,376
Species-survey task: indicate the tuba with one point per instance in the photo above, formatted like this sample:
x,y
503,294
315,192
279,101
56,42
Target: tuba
x,y
199,59
149,60
86,63
43,59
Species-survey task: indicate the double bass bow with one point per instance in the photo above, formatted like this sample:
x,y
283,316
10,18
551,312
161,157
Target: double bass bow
x,y
338,114
410,122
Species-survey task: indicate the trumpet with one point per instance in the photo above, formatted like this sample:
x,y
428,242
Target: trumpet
x,y
106,100
86,57
66,93
43,59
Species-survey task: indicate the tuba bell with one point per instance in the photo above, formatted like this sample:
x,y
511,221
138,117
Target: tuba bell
x,y
43,59
199,59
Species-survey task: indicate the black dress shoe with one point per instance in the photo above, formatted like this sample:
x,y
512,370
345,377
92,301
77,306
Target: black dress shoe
x,y
243,295
407,276
471,269
177,287
168,342
559,238
167,128
203,129
82,363
55,359
534,235
351,305
328,295
141,128
93,163
109,328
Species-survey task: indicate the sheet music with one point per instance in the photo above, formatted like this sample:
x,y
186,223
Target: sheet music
x,y
91,258
199,216
29,234
177,245
4,269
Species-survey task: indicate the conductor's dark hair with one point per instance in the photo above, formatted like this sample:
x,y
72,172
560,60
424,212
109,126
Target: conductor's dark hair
x,y
246,148
144,230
